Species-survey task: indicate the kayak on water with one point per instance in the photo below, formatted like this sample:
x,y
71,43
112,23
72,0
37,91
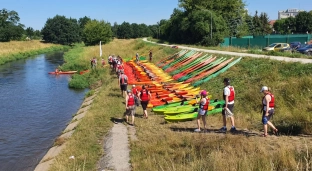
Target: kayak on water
x,y
63,72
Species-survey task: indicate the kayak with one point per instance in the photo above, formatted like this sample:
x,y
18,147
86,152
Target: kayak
x,y
63,72
189,116
188,106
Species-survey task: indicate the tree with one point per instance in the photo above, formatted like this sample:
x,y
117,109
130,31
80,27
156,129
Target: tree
x,y
304,22
10,28
82,22
96,31
62,30
115,29
125,31
29,32
265,27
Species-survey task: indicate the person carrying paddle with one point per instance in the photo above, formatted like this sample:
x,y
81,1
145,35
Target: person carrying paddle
x,y
130,107
123,83
144,96
267,110
228,96
202,110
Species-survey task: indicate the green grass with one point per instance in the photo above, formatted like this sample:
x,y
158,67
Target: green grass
x,y
172,146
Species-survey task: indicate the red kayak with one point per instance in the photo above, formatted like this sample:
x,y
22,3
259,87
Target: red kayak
x,y
63,72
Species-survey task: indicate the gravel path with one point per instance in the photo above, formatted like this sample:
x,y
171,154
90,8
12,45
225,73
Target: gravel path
x,y
280,58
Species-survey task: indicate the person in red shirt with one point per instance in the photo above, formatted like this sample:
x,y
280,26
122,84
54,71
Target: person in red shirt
x,y
134,90
130,107
144,96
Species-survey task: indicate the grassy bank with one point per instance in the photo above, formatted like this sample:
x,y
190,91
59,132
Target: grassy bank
x,y
252,50
14,50
174,146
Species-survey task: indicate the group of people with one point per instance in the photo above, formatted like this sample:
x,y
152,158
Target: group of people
x,y
94,62
150,55
227,110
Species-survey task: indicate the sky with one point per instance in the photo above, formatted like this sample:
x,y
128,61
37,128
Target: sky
x,y
34,13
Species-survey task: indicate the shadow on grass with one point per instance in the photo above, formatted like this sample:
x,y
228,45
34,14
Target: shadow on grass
x,y
117,120
114,94
238,132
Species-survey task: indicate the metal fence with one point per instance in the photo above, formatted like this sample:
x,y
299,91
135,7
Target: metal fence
x,y
263,41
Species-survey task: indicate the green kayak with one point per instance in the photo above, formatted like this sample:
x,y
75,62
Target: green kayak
x,y
189,116
161,109
190,108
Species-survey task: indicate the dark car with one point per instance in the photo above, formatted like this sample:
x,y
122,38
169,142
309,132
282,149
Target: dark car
x,y
306,50
295,45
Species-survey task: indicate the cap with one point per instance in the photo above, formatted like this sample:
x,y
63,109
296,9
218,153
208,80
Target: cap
x,y
129,91
203,93
226,80
264,88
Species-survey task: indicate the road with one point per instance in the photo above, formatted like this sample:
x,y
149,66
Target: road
x,y
280,58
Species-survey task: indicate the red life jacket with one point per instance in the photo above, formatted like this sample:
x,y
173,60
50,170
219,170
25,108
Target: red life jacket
x,y
271,103
144,95
205,106
131,100
135,91
110,59
119,67
232,94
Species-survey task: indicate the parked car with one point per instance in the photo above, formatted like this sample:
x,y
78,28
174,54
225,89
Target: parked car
x,y
277,47
306,50
175,47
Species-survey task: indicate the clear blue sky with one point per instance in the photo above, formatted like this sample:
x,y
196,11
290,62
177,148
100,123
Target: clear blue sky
x,y
34,13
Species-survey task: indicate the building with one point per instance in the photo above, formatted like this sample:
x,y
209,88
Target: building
x,y
288,13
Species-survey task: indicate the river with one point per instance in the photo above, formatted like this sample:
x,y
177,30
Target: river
x,y
35,108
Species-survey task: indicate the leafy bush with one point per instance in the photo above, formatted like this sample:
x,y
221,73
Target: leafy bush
x,y
78,81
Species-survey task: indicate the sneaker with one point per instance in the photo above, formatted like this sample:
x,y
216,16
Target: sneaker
x,y
233,129
197,130
223,129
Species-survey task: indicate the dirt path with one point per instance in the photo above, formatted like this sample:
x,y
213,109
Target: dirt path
x,y
116,147
280,58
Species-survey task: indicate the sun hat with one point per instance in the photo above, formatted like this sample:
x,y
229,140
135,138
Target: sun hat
x,y
203,93
133,85
264,88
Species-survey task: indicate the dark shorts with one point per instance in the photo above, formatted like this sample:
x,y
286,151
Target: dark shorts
x,y
110,63
144,104
230,107
123,87
265,119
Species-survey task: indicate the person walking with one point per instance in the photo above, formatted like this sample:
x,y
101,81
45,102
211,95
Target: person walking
x,y
228,96
268,101
137,57
202,109
150,55
130,107
144,96
134,90
123,83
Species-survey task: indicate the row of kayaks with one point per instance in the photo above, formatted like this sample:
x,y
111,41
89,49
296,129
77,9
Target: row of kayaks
x,y
186,110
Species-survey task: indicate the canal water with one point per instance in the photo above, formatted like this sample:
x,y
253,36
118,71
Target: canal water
x,y
35,108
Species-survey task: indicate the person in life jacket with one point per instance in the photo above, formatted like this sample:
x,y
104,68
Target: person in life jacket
x,y
123,83
130,107
228,96
134,90
202,110
119,68
268,103
144,96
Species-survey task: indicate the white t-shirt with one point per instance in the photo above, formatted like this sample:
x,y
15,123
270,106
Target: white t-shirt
x,y
226,91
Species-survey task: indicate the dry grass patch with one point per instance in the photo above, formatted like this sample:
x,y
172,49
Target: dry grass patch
x,y
22,46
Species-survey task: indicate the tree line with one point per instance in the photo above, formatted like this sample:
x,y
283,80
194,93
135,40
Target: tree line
x,y
203,22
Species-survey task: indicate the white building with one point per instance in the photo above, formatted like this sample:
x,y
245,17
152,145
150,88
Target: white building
x,y
288,13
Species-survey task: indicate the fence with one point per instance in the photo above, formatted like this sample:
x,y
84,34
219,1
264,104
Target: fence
x,y
263,41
